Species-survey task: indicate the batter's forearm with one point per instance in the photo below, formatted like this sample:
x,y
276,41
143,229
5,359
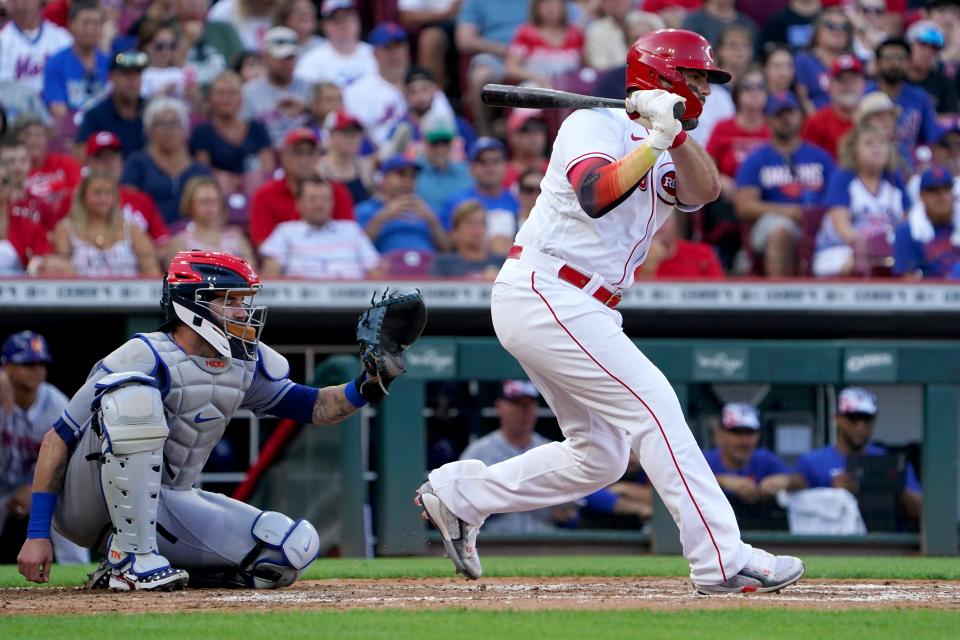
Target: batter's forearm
x,y
51,466
698,180
601,185
332,406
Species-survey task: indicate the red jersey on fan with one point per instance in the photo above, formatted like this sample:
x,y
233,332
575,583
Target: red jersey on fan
x,y
35,209
730,143
54,181
825,128
691,260
544,58
274,203
26,233
140,209
656,6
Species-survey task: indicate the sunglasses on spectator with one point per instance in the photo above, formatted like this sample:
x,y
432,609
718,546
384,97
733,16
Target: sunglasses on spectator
x,y
167,124
753,86
163,45
874,11
490,160
837,26
529,188
437,143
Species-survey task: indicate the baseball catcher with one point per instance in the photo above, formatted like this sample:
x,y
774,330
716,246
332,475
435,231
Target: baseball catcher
x,y
118,469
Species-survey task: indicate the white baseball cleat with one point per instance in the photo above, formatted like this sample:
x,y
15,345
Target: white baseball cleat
x,y
459,537
139,572
763,573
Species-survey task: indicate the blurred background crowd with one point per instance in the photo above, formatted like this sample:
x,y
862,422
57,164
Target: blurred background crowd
x,y
346,139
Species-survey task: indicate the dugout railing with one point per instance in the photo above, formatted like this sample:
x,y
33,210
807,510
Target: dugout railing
x,y
399,429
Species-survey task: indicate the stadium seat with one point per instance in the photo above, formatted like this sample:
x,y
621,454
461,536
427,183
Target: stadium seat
x,y
408,262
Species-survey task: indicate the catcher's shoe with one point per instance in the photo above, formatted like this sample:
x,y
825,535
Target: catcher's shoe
x,y
143,572
763,573
100,578
459,537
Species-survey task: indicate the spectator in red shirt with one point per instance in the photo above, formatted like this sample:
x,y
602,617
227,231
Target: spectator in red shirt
x,y
547,47
274,202
527,139
52,175
104,152
832,122
733,139
671,256
22,240
16,160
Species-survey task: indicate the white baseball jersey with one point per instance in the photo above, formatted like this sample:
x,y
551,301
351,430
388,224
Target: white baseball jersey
x,y
326,63
615,244
23,56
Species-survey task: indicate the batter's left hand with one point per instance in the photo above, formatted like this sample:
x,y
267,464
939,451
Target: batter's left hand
x,y
36,556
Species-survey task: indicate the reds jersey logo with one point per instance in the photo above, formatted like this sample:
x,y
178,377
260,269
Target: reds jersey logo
x,y
642,185
669,183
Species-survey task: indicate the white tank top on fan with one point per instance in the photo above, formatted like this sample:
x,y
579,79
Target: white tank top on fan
x,y
117,260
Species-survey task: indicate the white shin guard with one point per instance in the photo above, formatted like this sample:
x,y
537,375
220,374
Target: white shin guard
x,y
133,429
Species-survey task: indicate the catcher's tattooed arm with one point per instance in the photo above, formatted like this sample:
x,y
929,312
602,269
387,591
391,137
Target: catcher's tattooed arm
x,y
51,464
601,185
36,554
332,406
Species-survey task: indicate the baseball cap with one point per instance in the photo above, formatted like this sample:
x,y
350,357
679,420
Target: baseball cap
x,y
103,141
740,415
328,7
26,347
844,63
387,33
934,178
781,101
856,400
486,144
281,42
300,134
437,126
519,117
516,389
398,163
875,102
131,60
925,32
416,72
339,120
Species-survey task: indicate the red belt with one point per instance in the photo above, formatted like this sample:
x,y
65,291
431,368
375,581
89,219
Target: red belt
x,y
577,279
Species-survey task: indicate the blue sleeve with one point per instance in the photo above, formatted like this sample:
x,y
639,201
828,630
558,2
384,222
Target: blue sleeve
x,y
201,139
837,193
602,501
932,132
54,85
805,468
366,210
748,175
910,481
296,404
87,126
446,215
470,13
133,173
907,254
712,456
772,464
259,137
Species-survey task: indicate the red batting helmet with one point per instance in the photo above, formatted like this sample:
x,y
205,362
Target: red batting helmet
x,y
655,59
194,291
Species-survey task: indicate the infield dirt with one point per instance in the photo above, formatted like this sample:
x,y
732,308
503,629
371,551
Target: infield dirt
x,y
667,594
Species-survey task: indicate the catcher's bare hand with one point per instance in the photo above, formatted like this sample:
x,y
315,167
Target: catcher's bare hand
x,y
36,556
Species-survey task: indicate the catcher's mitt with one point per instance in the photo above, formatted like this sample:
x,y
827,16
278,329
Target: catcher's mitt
x,y
384,331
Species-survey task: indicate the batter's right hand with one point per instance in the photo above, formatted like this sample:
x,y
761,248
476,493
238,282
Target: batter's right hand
x,y
36,556
656,105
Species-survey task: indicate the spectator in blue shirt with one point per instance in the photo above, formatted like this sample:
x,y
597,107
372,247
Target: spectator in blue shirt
x,y
827,466
121,112
485,29
423,97
778,184
441,177
927,244
396,219
743,469
917,123
77,75
488,166
832,37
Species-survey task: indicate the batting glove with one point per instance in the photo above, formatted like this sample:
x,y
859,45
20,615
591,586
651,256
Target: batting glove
x,y
656,106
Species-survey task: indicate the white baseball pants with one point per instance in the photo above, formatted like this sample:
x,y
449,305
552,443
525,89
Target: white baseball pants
x,y
608,398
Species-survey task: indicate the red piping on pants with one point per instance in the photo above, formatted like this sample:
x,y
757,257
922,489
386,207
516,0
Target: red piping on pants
x,y
655,419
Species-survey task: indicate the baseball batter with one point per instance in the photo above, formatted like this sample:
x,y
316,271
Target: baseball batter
x,y
610,184
120,463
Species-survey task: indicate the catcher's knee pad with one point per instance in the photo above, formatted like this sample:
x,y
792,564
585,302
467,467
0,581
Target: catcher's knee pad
x,y
130,420
284,549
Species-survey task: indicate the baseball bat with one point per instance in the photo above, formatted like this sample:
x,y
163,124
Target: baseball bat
x,y
504,95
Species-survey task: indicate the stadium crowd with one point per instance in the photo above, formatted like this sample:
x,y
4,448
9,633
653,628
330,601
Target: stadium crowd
x,y
346,139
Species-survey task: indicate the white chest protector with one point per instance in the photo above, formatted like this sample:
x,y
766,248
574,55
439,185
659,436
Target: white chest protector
x,y
200,396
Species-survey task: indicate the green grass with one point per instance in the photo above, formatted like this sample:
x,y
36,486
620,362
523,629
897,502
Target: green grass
x,y
464,624
857,567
